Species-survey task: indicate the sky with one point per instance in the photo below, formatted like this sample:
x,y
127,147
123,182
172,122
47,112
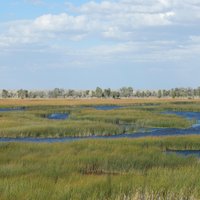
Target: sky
x,y
80,44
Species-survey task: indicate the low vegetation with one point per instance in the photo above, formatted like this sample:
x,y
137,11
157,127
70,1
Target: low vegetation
x,y
103,169
85,120
100,169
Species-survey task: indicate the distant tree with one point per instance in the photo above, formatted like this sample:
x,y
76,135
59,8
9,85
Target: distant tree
x,y
22,94
71,93
55,93
130,91
12,94
198,91
40,94
148,93
99,92
77,94
87,93
172,93
154,94
166,93
107,92
190,92
137,94
159,93
177,92
143,94
93,93
126,92
32,95
5,94
115,94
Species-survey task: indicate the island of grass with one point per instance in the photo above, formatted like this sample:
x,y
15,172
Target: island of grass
x,y
85,120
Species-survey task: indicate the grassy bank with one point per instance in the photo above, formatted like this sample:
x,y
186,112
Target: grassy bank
x,y
119,169
85,121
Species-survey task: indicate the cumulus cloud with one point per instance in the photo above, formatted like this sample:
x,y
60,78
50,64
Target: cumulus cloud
x,y
130,24
106,19
42,28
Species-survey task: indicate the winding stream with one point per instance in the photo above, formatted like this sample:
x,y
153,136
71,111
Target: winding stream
x,y
154,132
105,107
12,109
185,153
58,116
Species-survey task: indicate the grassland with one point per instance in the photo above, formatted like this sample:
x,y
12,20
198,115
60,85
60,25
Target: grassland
x,y
120,169
94,101
86,121
100,169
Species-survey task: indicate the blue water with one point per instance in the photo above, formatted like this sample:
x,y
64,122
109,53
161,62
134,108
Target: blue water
x,y
185,153
103,107
58,116
154,132
107,107
39,140
12,109
188,115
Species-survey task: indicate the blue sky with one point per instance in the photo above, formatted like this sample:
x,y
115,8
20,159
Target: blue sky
x,y
113,43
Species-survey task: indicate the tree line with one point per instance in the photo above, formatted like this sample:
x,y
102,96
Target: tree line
x,y
124,92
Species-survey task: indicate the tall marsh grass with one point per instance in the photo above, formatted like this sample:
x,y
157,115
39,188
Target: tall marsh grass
x,y
87,121
111,169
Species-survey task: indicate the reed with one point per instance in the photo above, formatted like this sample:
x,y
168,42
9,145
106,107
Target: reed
x,y
99,169
86,121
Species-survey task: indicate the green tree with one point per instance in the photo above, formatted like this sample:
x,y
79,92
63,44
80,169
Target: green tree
x,y
198,91
159,93
115,94
126,92
107,92
5,94
99,92
22,93
57,92
172,93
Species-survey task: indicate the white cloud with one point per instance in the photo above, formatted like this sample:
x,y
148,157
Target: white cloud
x,y
123,28
195,38
61,22
106,19
43,28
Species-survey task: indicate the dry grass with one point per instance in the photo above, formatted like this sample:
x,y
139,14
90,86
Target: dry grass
x,y
93,101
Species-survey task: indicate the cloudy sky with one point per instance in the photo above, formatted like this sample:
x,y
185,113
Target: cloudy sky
x,y
113,43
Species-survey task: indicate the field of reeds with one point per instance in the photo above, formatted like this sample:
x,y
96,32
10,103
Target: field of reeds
x,y
103,169
85,120
100,169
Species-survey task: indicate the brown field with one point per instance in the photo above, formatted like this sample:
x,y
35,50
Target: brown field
x,y
93,101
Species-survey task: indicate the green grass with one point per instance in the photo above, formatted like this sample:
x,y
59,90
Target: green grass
x,y
120,169
139,118
85,121
100,169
